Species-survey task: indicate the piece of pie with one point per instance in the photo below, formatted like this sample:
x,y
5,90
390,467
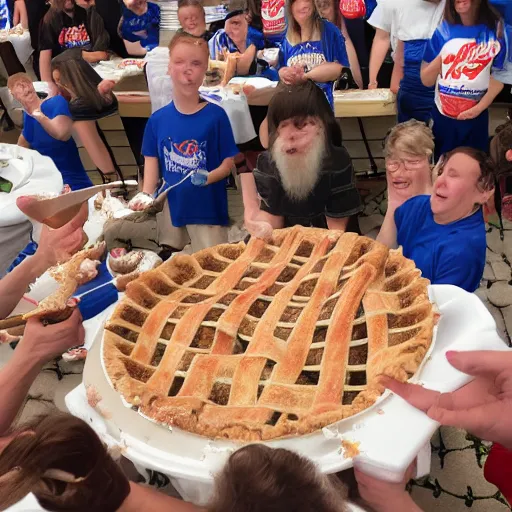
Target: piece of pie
x,y
264,340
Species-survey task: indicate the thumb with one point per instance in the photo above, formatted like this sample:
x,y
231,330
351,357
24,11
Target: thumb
x,y
480,363
76,222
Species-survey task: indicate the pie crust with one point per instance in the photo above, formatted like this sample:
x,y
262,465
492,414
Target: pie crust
x,y
265,340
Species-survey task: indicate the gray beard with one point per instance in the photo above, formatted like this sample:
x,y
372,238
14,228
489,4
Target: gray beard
x,y
299,173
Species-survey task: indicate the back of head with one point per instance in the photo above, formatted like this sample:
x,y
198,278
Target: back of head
x,y
62,461
257,478
412,137
302,101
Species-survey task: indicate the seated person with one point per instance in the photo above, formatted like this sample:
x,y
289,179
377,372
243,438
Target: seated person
x,y
238,37
140,26
192,19
306,177
408,150
65,26
445,233
47,127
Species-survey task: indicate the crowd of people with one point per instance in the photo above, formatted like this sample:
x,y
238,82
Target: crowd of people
x,y
452,58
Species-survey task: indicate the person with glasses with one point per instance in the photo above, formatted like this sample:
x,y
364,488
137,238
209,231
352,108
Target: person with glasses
x,y
444,233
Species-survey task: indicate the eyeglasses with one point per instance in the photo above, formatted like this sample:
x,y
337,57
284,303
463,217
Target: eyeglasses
x,y
392,165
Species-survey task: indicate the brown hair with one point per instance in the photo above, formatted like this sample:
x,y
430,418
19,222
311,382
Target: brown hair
x,y
191,3
79,77
184,37
258,478
298,102
17,77
486,14
337,12
486,180
58,5
62,461
293,33
413,137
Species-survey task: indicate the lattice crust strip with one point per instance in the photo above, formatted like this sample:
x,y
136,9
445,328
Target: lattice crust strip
x,y
262,340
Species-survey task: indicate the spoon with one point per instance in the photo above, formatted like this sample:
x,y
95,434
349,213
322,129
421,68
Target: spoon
x,y
57,211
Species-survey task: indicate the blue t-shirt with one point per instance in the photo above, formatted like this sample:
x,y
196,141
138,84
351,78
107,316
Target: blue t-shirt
x,y
4,15
221,41
63,153
445,253
145,28
309,55
182,143
468,54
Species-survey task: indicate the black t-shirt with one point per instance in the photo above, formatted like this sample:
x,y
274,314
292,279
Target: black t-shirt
x,y
335,195
60,32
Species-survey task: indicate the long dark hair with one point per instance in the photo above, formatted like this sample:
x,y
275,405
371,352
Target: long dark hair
x,y
301,101
486,14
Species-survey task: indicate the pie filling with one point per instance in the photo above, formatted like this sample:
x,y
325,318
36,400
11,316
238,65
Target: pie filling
x,y
260,341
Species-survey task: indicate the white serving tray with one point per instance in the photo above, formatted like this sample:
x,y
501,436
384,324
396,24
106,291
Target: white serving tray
x,y
391,434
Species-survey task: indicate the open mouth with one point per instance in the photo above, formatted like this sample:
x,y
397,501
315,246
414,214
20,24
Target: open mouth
x,y
401,184
440,196
291,151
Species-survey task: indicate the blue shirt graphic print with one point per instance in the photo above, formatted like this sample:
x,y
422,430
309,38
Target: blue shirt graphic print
x,y
191,142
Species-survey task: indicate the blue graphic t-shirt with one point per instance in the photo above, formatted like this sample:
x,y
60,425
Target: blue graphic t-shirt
x,y
221,41
445,253
4,15
145,28
63,153
468,53
309,55
183,143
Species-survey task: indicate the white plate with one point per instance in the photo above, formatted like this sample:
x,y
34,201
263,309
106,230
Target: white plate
x,y
390,435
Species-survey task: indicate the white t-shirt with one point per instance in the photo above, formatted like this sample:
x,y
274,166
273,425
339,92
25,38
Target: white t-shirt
x,y
407,20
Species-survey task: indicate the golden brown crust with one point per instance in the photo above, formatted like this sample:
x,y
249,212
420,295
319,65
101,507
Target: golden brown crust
x,y
259,341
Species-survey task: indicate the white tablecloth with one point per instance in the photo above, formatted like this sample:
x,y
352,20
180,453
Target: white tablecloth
x,y
21,43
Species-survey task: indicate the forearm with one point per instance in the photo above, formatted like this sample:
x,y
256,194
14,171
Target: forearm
x,y
134,49
147,498
16,377
430,72
45,66
495,88
94,145
151,175
221,172
327,72
92,57
337,223
275,221
15,284
387,234
354,62
58,128
379,51
398,67
249,195
263,133
245,61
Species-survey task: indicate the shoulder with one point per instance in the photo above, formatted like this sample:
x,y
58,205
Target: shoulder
x,y
421,202
414,207
329,28
162,113
214,112
153,8
265,167
55,102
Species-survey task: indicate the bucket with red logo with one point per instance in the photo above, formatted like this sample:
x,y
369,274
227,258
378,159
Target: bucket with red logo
x,y
273,16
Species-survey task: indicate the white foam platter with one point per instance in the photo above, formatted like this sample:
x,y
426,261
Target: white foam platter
x,y
390,434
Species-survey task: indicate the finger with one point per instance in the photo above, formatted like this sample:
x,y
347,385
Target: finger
x,y
417,396
480,363
476,419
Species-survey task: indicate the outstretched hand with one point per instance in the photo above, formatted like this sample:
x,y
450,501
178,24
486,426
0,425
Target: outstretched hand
x,y
259,229
483,407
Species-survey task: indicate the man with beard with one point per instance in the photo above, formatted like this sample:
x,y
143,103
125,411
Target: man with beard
x,y
306,177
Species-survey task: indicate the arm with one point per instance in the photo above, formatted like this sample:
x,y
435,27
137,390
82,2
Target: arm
x,y
352,55
151,174
398,68
327,72
244,63
20,14
135,49
38,346
60,127
264,133
380,48
45,66
276,221
92,57
23,142
147,498
495,88
430,71
250,196
88,134
334,223
221,172
388,232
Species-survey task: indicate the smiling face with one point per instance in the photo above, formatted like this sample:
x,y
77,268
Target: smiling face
x,y
456,190
408,175
302,11
188,63
192,20
236,28
465,7
24,92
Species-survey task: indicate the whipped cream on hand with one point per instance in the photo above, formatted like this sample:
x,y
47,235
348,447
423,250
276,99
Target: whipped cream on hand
x,y
140,202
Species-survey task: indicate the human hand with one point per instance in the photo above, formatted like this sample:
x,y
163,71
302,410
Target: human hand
x,y
58,245
200,178
45,342
36,113
105,87
259,229
385,496
483,407
470,113
373,85
142,201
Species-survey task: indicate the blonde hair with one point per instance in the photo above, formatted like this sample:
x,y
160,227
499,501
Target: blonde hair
x,y
257,478
186,38
411,137
16,78
293,34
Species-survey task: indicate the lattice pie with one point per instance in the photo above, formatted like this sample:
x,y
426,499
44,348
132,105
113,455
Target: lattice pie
x,y
265,340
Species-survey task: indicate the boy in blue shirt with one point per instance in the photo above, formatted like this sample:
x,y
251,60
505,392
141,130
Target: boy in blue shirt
x,y
140,26
187,136
444,234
